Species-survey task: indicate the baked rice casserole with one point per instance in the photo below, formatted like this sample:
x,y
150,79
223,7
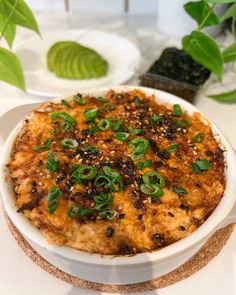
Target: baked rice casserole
x,y
119,174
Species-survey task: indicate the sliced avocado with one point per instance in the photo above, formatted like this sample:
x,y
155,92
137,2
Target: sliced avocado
x,y
71,60
81,63
53,51
97,66
72,64
61,61
62,68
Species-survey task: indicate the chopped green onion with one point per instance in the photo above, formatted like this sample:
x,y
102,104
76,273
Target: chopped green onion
x,y
75,174
55,131
102,180
67,126
151,190
85,172
156,119
201,165
52,163
142,165
90,114
53,198
153,177
90,149
103,198
135,131
69,143
196,169
75,211
180,190
103,201
198,138
45,146
183,123
139,143
93,129
116,184
122,136
79,99
116,124
172,148
177,111
64,116
104,124
137,101
101,99
108,214
110,172
66,103
139,146
109,107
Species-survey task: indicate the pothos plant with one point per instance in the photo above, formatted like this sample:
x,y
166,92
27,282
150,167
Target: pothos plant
x,y
13,13
205,50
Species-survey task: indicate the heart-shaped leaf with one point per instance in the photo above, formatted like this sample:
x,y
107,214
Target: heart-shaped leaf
x,y
231,12
10,32
22,14
205,51
229,53
199,11
10,69
221,1
226,97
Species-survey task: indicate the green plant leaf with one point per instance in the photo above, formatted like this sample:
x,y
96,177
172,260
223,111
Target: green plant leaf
x,y
199,11
226,97
10,32
221,1
231,12
229,53
22,15
205,51
11,70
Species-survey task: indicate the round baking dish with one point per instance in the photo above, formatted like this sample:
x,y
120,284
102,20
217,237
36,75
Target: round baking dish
x,y
124,269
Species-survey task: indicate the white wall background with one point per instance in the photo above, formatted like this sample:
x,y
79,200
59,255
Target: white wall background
x,y
92,6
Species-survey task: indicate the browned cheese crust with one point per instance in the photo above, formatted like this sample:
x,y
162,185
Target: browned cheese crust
x,y
141,222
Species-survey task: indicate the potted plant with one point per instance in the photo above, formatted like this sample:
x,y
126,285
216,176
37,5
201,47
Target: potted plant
x,y
13,13
200,54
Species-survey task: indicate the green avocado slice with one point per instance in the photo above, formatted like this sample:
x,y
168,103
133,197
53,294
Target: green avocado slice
x,y
65,61
53,51
72,60
62,58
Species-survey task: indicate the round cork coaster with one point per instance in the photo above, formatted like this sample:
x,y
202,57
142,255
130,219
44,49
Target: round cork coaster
x,y
198,261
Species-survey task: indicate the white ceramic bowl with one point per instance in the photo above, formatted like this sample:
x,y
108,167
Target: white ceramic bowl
x,y
122,269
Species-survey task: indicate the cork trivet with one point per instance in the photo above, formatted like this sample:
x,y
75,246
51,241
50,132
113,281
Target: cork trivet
x,y
198,261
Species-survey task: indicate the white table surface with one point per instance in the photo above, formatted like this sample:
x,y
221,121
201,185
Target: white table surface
x,y
18,274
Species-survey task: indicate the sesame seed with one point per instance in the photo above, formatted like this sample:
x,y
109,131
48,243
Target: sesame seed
x,y
120,207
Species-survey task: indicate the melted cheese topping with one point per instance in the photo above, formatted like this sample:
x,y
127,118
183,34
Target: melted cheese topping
x,y
142,223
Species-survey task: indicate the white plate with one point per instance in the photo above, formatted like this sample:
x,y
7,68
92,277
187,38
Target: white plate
x,y
122,55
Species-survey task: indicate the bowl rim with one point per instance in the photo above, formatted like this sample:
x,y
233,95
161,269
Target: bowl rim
x,y
218,215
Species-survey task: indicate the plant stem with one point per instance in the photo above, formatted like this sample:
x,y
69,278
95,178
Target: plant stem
x,y
233,27
8,20
206,18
